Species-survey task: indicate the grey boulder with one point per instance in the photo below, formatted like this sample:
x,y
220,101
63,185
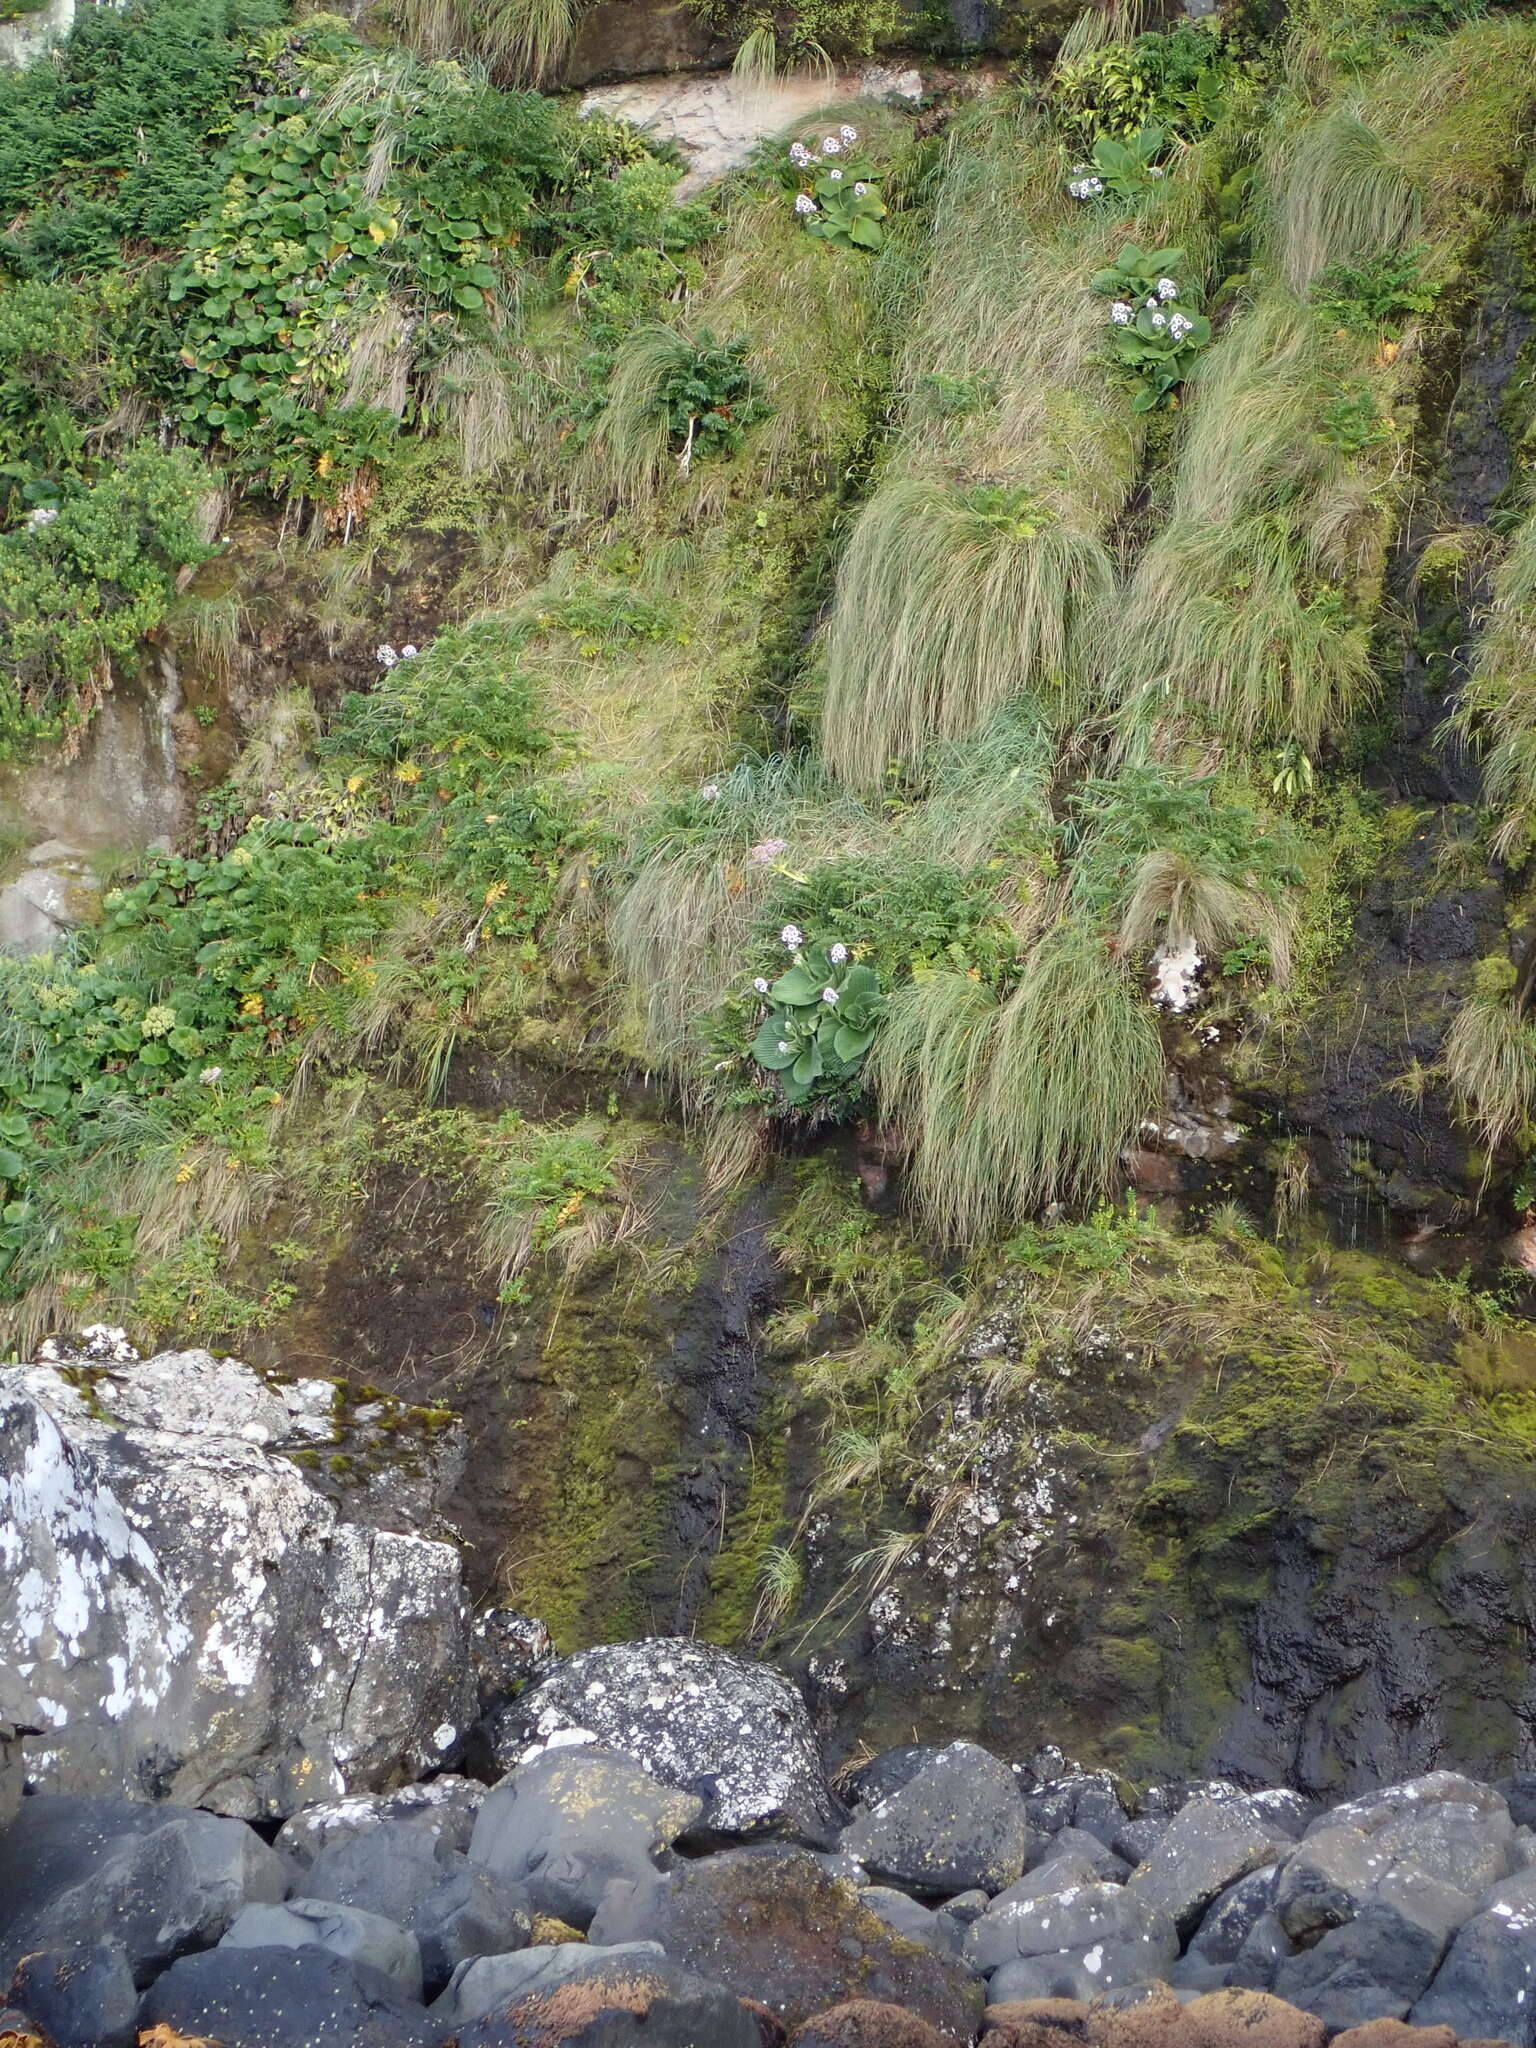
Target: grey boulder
x,y
343,1930
1486,1986
453,1907
958,1824
1373,1968
284,1998
485,1983
905,1916
195,1618
574,1820
156,1880
1208,1846
1104,1918
733,1732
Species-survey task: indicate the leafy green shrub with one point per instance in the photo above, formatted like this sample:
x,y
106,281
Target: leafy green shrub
x,y
1353,422
1378,297
671,398
802,32
1180,81
166,1039
115,139
821,1019
84,578
1125,170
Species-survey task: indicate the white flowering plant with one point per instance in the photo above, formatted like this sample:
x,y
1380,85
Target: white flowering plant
x,y
1120,168
843,204
1156,328
821,1017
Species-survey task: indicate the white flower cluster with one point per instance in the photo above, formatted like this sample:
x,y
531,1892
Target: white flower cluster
x,y
836,171
792,936
1120,313
43,515
860,189
804,203
1179,326
386,656
761,985
1085,188
1158,319
837,954
710,792
799,155
829,995
766,851
211,1076
1166,288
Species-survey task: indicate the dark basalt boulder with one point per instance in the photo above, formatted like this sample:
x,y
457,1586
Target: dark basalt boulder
x,y
613,1999
443,1809
156,1880
284,1998
453,1907
81,1997
732,1732
1208,1846
958,1824
1487,1983
774,1928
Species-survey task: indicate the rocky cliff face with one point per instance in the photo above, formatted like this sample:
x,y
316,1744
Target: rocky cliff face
x,y
187,1612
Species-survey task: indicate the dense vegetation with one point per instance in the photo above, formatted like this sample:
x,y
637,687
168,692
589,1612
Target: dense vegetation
x,y
887,656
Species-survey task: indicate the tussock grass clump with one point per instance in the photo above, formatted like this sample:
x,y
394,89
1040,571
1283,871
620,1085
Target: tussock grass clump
x,y
520,40
1499,706
1344,196
1179,901
1243,621
948,605
1490,1057
1013,1102
630,443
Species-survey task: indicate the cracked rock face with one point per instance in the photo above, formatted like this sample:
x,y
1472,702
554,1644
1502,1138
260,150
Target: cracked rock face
x,y
185,1615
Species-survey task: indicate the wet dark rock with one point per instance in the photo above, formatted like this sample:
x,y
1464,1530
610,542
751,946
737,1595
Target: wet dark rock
x,y
889,1772
260,1997
957,1824
609,2000
157,1880
1487,1983
82,1996
12,1768
1231,1918
733,1732
204,1620
1209,1845
572,1821
509,1651
444,1809
776,1929
343,1930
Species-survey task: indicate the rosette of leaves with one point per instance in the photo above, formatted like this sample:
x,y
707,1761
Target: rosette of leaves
x,y
1128,167
849,207
1136,272
1158,359
821,1021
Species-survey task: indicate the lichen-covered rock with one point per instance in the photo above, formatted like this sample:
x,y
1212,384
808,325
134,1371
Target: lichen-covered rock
x,y
1209,1845
444,1809
956,1825
570,1822
187,1615
81,1995
734,1732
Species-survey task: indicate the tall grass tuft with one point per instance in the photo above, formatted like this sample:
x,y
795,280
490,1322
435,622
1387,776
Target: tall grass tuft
x,y
1489,1057
629,446
948,605
1012,1103
522,41
1499,705
1345,197
1179,901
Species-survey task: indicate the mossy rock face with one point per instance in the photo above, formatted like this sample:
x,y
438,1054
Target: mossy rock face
x,y
1285,1567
